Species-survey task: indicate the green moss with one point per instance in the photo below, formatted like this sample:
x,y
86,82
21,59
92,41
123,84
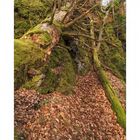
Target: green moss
x,y
84,59
36,29
27,14
59,72
80,54
113,56
25,51
58,24
15,135
18,136
110,92
119,63
33,83
27,55
50,82
46,37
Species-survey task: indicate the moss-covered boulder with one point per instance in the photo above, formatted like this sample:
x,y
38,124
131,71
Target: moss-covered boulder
x,y
58,74
27,56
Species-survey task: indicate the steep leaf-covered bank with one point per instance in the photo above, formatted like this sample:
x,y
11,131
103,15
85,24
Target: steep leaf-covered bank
x,y
58,40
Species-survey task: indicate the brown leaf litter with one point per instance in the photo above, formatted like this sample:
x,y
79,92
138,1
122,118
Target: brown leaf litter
x,y
84,115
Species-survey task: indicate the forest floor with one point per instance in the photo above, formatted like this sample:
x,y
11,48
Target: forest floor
x,y
84,115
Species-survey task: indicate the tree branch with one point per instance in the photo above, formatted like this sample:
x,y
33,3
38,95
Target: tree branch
x,y
102,28
78,34
78,18
71,8
53,13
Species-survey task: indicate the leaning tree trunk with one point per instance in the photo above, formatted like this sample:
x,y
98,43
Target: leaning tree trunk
x,y
110,92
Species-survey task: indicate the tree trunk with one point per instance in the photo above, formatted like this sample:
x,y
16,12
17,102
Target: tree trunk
x,y
110,92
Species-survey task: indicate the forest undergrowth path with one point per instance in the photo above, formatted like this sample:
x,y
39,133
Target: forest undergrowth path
x,y
84,115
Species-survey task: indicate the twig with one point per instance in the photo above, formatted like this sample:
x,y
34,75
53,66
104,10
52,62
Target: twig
x,y
71,8
59,2
92,29
82,5
78,18
102,29
53,13
78,34
81,28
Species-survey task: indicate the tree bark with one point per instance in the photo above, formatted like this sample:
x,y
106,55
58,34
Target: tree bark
x,y
110,92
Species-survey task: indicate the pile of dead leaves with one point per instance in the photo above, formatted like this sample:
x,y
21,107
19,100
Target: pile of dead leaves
x,y
85,115
26,104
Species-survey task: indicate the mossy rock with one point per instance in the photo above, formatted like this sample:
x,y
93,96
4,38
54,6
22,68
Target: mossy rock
x,y
34,83
28,13
27,55
59,72
42,39
80,54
